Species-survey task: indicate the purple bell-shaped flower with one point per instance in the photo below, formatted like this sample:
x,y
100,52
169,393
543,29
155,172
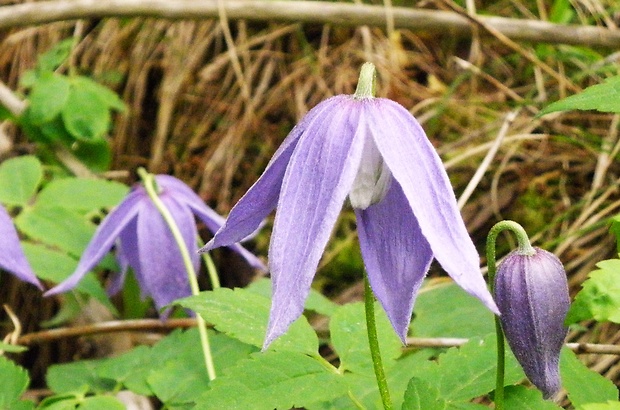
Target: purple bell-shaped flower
x,y
531,292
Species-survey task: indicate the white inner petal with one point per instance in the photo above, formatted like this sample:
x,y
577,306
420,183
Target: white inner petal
x,y
373,178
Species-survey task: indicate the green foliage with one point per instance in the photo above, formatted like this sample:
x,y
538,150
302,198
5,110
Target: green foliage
x,y
9,348
436,316
69,110
521,398
421,395
610,405
599,297
582,384
13,383
19,180
243,315
603,97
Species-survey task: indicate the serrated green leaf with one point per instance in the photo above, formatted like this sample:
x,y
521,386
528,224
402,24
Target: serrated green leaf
x,y
603,97
48,97
77,378
599,297
56,267
582,384
243,315
522,398
421,395
14,381
273,380
19,179
464,373
315,301
610,405
349,336
12,348
82,194
57,227
85,115
120,368
446,310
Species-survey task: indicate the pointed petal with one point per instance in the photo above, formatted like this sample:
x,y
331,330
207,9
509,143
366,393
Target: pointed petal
x,y
317,181
246,216
126,256
396,255
12,258
208,216
104,239
160,262
420,172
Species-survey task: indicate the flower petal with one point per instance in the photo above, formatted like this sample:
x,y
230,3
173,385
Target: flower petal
x,y
12,258
104,239
246,216
318,179
396,255
208,216
420,172
161,265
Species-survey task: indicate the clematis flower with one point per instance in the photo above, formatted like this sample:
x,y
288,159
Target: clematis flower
x,y
373,151
531,291
12,258
146,244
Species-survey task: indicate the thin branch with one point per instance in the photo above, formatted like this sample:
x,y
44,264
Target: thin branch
x,y
143,325
342,14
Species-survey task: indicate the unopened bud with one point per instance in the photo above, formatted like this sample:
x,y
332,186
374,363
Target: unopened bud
x,y
531,292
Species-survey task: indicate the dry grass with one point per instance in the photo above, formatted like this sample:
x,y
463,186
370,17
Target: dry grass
x,y
210,101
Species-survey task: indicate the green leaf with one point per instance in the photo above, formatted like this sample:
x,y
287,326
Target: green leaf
x,y
14,381
464,373
107,96
522,398
54,57
315,301
77,378
421,395
610,405
101,402
349,336
96,154
82,194
85,115
243,315
57,227
273,380
12,348
446,310
19,179
56,267
48,97
603,97
582,384
599,297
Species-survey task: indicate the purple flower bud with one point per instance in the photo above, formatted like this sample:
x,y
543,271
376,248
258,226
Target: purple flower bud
x,y
531,292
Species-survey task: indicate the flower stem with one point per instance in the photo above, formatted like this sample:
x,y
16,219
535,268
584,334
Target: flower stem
x,y
524,247
373,341
151,189
367,82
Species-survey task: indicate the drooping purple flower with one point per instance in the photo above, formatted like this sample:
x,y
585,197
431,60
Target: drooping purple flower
x,y
531,292
373,151
12,258
145,243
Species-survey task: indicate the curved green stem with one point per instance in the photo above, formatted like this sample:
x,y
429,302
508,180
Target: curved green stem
x,y
151,189
373,341
524,247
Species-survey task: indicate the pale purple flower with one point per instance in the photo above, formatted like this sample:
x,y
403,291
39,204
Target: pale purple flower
x,y
12,258
145,243
375,152
531,291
